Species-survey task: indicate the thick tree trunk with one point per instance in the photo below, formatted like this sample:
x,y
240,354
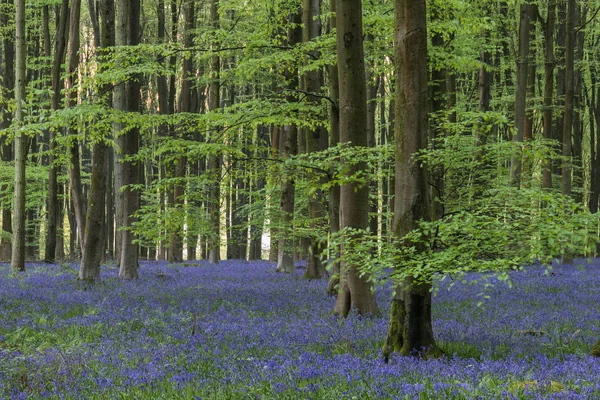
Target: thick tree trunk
x,y
410,328
17,261
354,197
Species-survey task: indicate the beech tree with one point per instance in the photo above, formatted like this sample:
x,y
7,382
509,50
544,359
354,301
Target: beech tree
x,y
17,261
410,316
127,98
355,289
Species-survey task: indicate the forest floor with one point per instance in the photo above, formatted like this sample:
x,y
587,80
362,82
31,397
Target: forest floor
x,y
242,331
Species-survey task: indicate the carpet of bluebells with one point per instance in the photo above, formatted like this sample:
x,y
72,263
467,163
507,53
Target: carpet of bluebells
x,y
241,331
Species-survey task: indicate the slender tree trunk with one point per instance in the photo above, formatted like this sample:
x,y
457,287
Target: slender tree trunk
x,y
273,218
316,140
354,197
372,87
75,167
214,161
334,191
60,45
410,317
17,261
577,125
525,26
285,259
93,246
288,147
567,148
128,30
548,86
8,82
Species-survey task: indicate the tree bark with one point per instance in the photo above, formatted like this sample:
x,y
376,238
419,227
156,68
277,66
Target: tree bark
x,y
8,81
93,243
288,147
410,328
548,87
567,147
525,25
60,45
334,191
316,140
354,196
17,261
214,160
128,30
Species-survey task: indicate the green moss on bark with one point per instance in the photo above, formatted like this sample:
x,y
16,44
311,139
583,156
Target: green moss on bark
x,y
596,349
394,339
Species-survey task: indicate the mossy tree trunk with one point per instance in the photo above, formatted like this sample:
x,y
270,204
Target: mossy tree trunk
x,y
596,349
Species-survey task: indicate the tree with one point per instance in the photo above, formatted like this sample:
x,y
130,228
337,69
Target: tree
x,y
60,46
567,131
410,316
8,82
288,147
527,12
17,261
316,138
92,247
214,160
354,196
127,99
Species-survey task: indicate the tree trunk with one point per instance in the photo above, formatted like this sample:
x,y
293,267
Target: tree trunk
x,y
128,23
288,147
74,167
548,87
8,82
525,26
334,191
273,218
285,259
567,148
214,161
316,140
410,328
93,243
354,197
60,45
577,123
17,261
